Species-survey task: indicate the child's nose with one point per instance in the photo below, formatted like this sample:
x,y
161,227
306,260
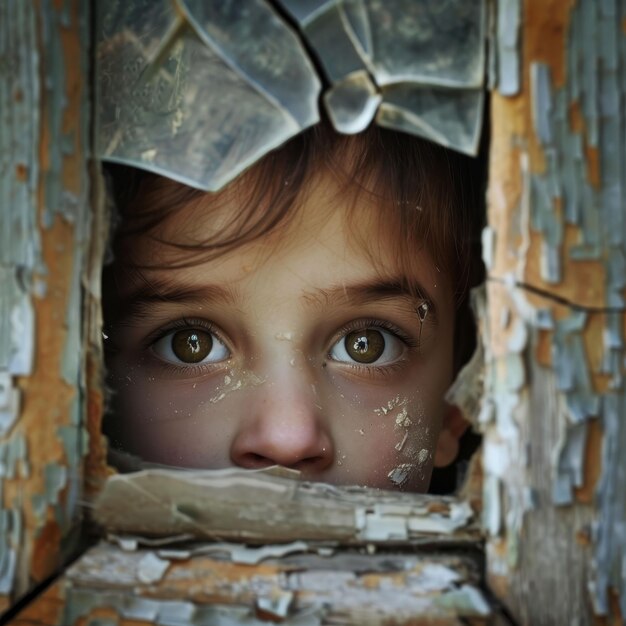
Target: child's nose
x,y
284,428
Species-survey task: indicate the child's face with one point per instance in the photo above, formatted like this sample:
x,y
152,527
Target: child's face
x,y
300,349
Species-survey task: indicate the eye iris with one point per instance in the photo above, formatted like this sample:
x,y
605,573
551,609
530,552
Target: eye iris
x,y
191,346
365,346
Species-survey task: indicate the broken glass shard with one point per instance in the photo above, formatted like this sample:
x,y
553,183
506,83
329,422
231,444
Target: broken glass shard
x,y
330,35
449,119
352,104
193,96
355,14
438,42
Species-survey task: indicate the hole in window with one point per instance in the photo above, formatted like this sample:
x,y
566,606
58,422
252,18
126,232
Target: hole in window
x,y
313,308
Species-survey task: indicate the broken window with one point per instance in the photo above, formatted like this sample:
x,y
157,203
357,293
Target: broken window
x,y
549,395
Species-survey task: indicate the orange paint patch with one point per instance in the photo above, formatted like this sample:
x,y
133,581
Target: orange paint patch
x,y
45,556
206,580
576,119
543,349
583,282
21,172
583,537
594,346
96,468
594,176
593,463
44,610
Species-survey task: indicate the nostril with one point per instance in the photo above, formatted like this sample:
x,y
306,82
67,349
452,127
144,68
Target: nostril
x,y
251,460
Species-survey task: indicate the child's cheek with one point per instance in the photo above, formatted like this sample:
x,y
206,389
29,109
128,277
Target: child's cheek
x,y
176,421
385,435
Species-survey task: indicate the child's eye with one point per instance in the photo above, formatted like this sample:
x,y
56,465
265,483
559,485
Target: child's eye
x,y
368,346
190,346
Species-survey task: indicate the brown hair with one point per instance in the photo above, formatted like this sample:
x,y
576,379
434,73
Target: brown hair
x,y
429,197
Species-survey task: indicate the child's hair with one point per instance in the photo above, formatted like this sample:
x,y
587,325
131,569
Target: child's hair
x,y
429,197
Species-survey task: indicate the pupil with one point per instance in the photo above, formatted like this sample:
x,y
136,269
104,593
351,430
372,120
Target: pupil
x,y
191,346
194,343
361,345
365,346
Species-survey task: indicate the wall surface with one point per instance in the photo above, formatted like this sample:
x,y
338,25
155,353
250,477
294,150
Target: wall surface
x,y
553,412
44,232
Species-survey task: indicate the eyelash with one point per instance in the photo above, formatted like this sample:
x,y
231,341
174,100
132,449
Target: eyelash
x,y
363,323
181,324
374,371
184,323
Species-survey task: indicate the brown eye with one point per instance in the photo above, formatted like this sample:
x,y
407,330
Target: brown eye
x,y
365,346
192,346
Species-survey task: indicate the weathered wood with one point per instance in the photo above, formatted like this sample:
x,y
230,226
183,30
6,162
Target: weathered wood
x,y
553,410
337,587
238,504
43,240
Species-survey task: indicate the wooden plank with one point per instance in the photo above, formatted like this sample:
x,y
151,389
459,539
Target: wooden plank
x,y
554,321
44,236
339,586
241,505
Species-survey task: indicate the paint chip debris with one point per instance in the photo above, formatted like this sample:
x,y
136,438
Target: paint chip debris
x,y
400,444
391,404
423,456
400,475
402,419
151,568
284,336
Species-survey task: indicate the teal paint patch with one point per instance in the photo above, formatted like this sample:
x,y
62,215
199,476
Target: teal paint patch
x,y
75,440
508,56
20,246
13,455
609,532
39,503
596,86
55,479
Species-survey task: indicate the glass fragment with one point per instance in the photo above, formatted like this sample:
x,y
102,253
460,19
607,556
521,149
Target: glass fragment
x,y
452,120
198,106
436,42
352,103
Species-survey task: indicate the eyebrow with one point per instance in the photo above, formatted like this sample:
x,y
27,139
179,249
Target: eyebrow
x,y
155,291
372,291
138,303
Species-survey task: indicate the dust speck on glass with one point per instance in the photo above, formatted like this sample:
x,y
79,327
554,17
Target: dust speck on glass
x,y
198,91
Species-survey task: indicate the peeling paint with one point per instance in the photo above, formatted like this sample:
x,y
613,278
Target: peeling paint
x,y
570,277
595,54
40,195
508,54
152,568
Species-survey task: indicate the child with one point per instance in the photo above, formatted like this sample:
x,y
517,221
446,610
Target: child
x,y
311,314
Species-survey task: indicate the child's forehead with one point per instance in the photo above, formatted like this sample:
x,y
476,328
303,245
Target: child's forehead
x,y
394,203
335,236
322,208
